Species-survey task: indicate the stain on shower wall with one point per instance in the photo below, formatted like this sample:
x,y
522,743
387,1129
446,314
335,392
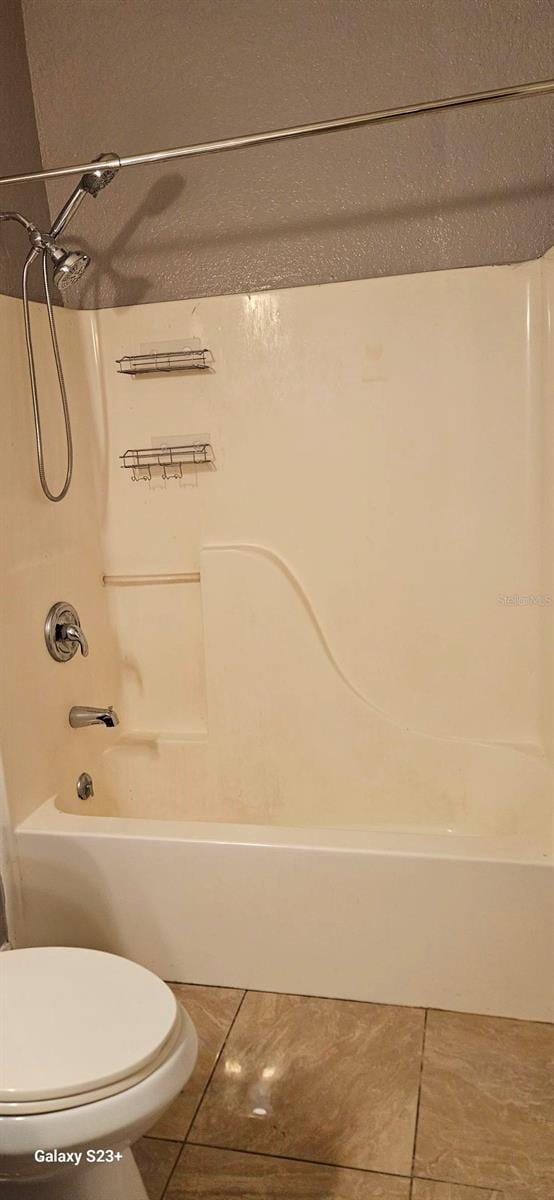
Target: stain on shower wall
x,y
452,189
19,150
49,552
319,638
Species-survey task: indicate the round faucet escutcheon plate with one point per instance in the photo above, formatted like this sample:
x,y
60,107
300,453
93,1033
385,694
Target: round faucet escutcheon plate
x,y
60,617
85,787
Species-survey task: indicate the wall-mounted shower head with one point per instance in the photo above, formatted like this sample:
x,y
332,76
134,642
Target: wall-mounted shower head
x,y
68,265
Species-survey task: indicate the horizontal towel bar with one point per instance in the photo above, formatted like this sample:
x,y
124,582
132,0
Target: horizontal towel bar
x,y
130,580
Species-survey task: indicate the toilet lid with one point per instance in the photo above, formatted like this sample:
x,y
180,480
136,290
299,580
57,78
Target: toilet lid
x,y
73,1021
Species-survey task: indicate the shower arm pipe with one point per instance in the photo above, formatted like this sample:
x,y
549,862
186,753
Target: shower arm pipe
x,y
473,99
21,220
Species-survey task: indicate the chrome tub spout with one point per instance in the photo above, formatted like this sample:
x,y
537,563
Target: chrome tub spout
x,y
81,716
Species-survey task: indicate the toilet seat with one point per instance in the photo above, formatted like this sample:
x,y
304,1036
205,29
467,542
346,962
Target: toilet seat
x,y
60,1103
77,1026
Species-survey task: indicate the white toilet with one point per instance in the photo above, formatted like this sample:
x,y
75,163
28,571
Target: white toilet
x,y
93,1048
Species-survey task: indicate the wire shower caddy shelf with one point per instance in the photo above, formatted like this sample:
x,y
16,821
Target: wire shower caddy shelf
x,y
164,361
168,460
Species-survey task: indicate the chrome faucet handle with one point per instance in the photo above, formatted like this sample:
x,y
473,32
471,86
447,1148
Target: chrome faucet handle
x,y
74,633
62,632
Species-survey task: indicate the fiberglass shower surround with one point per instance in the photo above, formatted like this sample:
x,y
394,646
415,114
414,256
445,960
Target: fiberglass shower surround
x,y
297,726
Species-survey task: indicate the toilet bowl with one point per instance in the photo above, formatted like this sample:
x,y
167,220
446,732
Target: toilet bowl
x,y
93,1048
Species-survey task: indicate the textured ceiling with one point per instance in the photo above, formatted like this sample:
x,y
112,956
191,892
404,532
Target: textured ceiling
x,y
442,191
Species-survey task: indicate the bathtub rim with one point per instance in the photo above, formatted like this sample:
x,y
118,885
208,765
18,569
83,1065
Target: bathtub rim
x,y
49,819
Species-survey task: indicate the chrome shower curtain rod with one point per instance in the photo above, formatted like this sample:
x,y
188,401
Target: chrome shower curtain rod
x,y
519,91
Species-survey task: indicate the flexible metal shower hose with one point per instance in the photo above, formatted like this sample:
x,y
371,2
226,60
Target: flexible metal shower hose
x,y
54,496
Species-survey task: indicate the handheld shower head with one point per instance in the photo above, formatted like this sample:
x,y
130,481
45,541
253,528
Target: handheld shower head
x,y
94,181
89,185
70,264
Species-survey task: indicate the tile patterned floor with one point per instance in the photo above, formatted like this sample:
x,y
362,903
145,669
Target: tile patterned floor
x,y
212,1010
297,1098
487,1097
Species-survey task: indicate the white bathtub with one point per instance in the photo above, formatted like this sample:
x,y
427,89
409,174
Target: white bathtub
x,y
420,918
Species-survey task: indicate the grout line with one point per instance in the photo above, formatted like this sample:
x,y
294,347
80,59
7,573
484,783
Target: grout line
x,y
215,1066
162,1137
427,1008
418,1100
230,987
204,1090
172,1172
163,1193
310,1162
315,1162
477,1187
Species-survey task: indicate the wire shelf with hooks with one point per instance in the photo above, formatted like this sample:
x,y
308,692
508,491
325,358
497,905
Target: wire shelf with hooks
x,y
168,461
187,359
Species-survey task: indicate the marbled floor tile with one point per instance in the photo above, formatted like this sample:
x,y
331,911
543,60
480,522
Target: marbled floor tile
x,y
207,1174
486,1114
155,1160
332,1081
212,1010
424,1189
